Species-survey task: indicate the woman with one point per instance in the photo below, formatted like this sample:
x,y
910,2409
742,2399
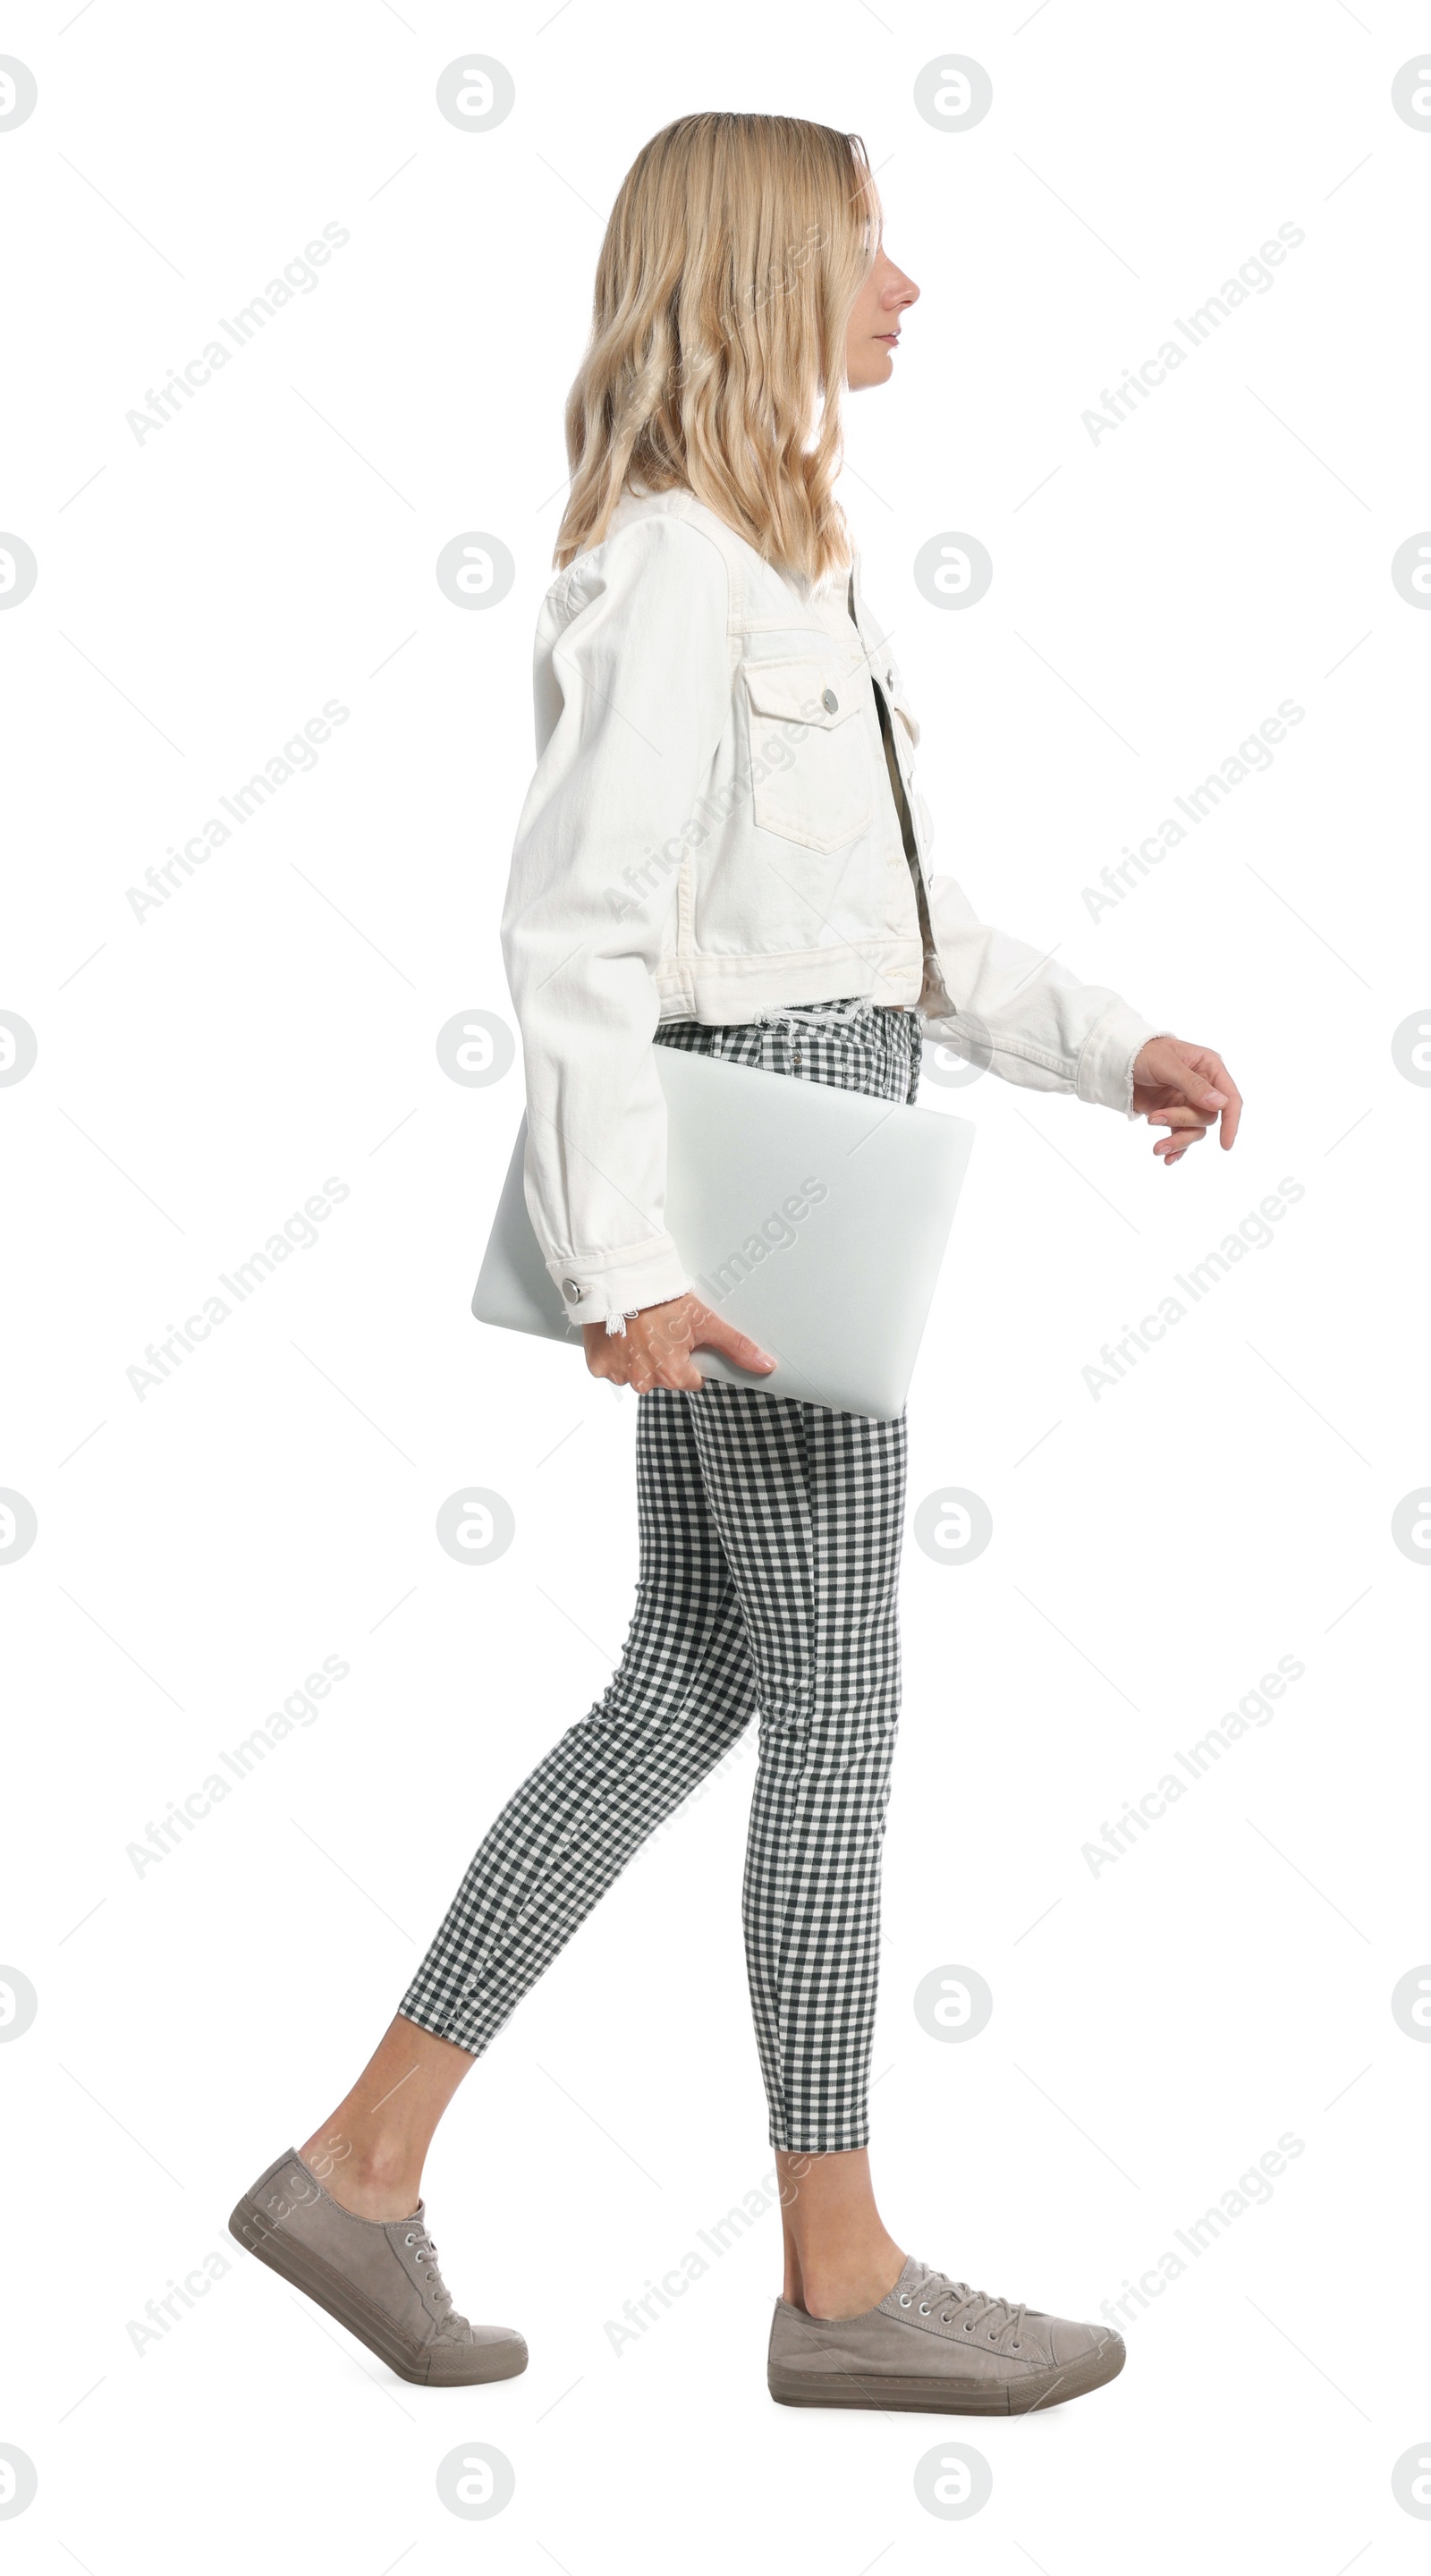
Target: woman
x,y
722,849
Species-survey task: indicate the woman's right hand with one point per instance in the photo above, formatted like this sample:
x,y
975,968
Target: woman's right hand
x,y
655,1348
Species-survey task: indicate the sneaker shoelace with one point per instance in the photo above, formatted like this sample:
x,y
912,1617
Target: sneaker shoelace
x,y
935,2292
425,2251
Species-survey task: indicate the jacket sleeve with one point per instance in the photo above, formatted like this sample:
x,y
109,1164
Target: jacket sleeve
x,y
633,691
1014,1011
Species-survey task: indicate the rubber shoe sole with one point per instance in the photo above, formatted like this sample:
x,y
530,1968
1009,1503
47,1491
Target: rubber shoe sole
x,y
879,2394
330,2291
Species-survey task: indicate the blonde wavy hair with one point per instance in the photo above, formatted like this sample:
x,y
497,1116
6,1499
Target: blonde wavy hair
x,y
735,251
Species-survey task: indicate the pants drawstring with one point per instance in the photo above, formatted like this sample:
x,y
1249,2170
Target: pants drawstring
x,y
808,1015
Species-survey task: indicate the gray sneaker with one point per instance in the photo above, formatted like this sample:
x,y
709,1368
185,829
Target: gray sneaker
x,y
378,2277
936,2347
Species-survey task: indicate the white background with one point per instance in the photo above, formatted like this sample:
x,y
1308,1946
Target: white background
x,y
201,1072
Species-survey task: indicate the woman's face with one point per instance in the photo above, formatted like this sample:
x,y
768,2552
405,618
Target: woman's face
x,y
873,333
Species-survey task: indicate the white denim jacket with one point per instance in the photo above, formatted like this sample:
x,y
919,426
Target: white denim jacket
x,y
710,834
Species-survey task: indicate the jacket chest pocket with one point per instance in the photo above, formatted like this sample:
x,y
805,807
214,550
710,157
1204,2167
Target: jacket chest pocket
x,y
811,771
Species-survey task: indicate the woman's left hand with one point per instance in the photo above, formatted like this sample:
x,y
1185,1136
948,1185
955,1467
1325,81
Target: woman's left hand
x,y
1186,1089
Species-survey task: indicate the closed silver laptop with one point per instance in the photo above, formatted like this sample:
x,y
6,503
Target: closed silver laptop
x,y
812,1218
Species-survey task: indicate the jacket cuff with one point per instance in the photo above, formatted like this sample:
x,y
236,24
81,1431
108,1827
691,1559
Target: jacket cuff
x,y
1112,1048
605,1290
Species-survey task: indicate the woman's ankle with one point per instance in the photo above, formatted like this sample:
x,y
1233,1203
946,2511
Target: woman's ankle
x,y
840,2258
374,2180
839,2288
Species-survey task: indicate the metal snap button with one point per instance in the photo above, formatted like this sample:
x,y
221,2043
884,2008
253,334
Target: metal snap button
x,y
572,1288
829,702
889,679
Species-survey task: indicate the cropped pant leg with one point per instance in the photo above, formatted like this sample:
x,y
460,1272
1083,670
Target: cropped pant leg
x,y
809,1506
681,1695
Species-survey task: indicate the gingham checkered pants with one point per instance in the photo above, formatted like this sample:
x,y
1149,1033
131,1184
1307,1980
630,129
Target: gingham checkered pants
x,y
769,1565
